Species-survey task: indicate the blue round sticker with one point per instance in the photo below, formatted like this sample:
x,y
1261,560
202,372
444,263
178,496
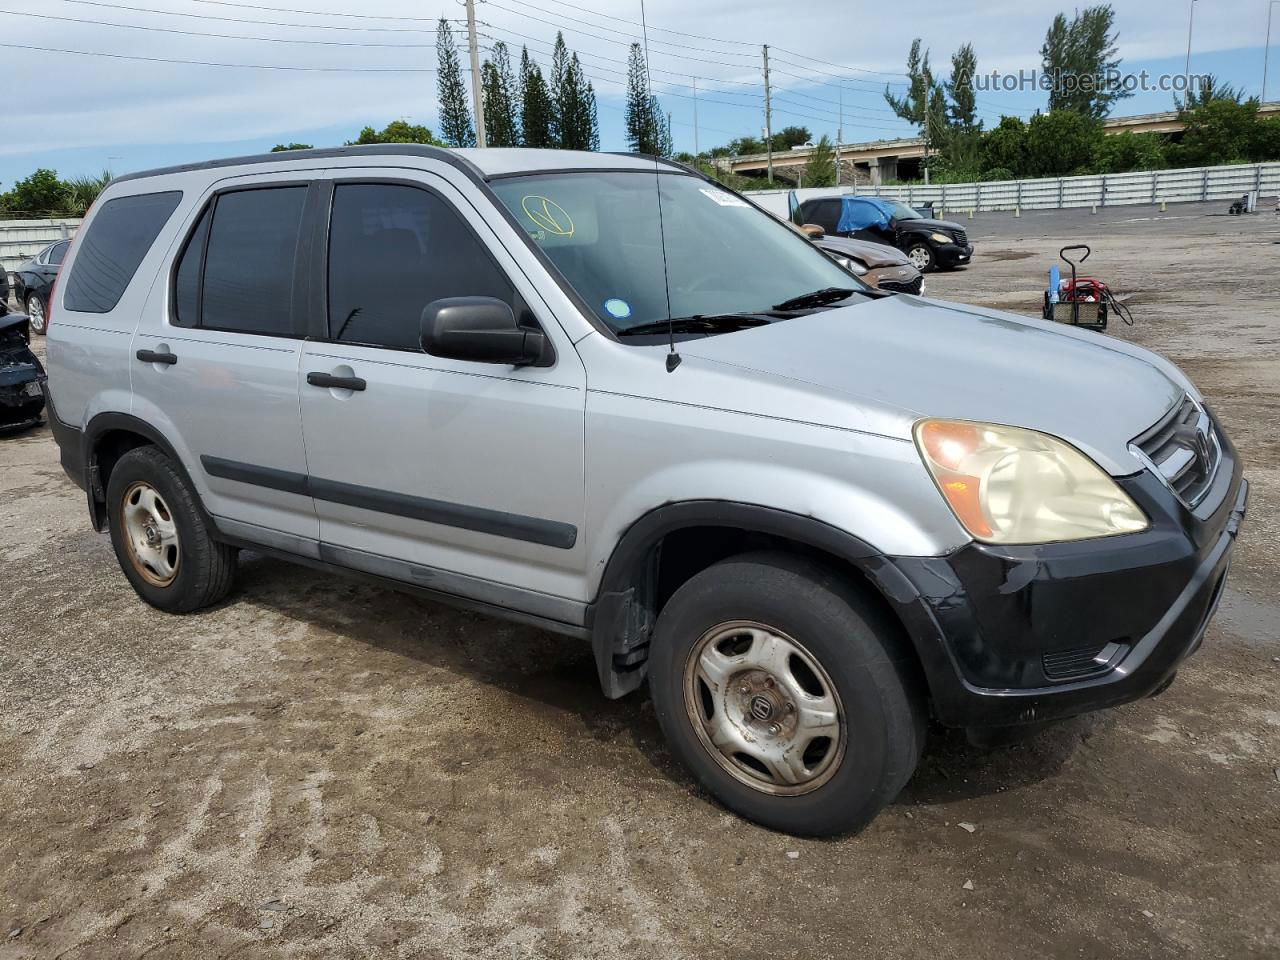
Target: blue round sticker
x,y
618,309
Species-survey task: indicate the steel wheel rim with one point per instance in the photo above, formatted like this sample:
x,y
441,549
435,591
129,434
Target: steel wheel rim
x,y
35,310
150,534
919,258
764,708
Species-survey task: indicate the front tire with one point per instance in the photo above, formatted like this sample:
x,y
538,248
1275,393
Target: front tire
x,y
160,536
786,693
922,257
38,311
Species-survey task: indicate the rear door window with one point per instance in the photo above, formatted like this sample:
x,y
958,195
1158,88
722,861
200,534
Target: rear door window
x,y
236,272
57,252
110,251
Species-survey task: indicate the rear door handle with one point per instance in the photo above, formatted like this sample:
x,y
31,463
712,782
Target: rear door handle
x,y
335,383
152,356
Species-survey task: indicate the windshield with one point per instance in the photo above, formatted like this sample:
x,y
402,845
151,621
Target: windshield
x,y
722,255
900,211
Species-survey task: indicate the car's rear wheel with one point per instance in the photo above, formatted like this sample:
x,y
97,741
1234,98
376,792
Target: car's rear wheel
x,y
37,311
921,257
786,693
160,537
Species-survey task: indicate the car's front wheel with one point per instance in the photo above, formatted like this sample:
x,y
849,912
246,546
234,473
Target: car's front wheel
x,y
921,256
37,311
160,536
786,693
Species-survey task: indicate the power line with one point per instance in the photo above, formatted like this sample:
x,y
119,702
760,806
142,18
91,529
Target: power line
x,y
221,36
318,13
214,63
634,23
261,23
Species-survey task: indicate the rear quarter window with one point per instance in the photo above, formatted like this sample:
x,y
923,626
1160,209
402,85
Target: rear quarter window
x,y
118,237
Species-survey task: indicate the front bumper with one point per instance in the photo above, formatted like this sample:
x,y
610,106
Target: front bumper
x,y
1012,635
953,254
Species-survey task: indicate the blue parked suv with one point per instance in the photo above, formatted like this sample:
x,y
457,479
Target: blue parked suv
x,y
929,244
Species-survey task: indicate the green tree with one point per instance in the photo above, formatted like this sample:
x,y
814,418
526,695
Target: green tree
x,y
639,118
1077,56
1005,147
282,147
1220,131
501,111
1060,143
1122,152
1209,89
789,137
397,131
1264,143
561,91
820,171
574,104
455,118
924,103
664,143
535,104
594,143
963,109
81,192
40,195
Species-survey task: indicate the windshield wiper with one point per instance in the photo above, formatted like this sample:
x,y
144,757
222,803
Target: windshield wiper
x,y
700,323
817,298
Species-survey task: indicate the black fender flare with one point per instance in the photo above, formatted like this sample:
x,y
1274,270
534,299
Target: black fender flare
x,y
104,423
622,616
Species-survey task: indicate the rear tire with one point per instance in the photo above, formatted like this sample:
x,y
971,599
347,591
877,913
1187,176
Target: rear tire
x,y
160,536
38,310
789,643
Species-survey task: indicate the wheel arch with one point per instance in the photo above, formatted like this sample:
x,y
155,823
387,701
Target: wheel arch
x,y
107,437
665,547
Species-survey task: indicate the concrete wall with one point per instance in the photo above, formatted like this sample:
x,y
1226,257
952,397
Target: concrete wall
x,y
22,239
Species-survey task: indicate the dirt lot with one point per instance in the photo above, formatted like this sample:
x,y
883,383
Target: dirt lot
x,y
323,769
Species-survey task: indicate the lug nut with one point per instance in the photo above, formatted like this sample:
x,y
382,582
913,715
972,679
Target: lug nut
x,y
774,729
744,689
791,707
768,682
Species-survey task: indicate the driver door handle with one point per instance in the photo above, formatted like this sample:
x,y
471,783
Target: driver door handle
x,y
153,356
317,379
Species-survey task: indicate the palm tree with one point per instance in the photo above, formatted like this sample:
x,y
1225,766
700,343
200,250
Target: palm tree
x,y
82,191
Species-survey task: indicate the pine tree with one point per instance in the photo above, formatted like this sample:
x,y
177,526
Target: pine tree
x,y
641,128
820,171
455,118
558,84
1084,46
660,123
575,102
500,121
535,104
594,142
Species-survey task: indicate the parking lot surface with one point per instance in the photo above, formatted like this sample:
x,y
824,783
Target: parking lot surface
x,y
321,768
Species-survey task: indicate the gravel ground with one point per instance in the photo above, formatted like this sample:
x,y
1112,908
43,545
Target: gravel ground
x,y
318,768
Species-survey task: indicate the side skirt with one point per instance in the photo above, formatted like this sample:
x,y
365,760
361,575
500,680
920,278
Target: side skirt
x,y
554,614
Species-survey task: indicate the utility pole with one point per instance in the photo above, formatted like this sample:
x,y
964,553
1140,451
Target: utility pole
x,y
839,133
768,115
1266,51
695,117
477,104
1186,70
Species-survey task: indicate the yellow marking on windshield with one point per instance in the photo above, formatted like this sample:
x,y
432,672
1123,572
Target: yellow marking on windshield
x,y
548,215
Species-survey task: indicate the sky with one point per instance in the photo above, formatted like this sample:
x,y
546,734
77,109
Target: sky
x,y
316,71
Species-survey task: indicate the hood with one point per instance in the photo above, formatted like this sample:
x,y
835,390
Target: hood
x,y
902,358
872,255
926,223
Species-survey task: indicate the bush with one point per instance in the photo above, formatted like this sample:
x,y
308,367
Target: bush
x,y
996,173
1127,151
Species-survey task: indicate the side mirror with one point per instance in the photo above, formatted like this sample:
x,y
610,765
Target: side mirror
x,y
484,330
812,231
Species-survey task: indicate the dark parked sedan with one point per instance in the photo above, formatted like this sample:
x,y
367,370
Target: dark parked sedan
x,y
21,376
929,244
33,283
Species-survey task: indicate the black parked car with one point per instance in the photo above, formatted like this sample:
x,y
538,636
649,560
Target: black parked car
x,y
929,244
33,283
21,375
4,291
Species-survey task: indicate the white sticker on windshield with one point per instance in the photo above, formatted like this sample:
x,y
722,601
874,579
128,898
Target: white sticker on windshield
x,y
724,198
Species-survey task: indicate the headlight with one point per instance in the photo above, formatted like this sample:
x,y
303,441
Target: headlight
x,y
1010,485
853,266
941,238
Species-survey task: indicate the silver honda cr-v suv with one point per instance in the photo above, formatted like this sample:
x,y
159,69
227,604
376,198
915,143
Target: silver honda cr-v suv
x,y
603,395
